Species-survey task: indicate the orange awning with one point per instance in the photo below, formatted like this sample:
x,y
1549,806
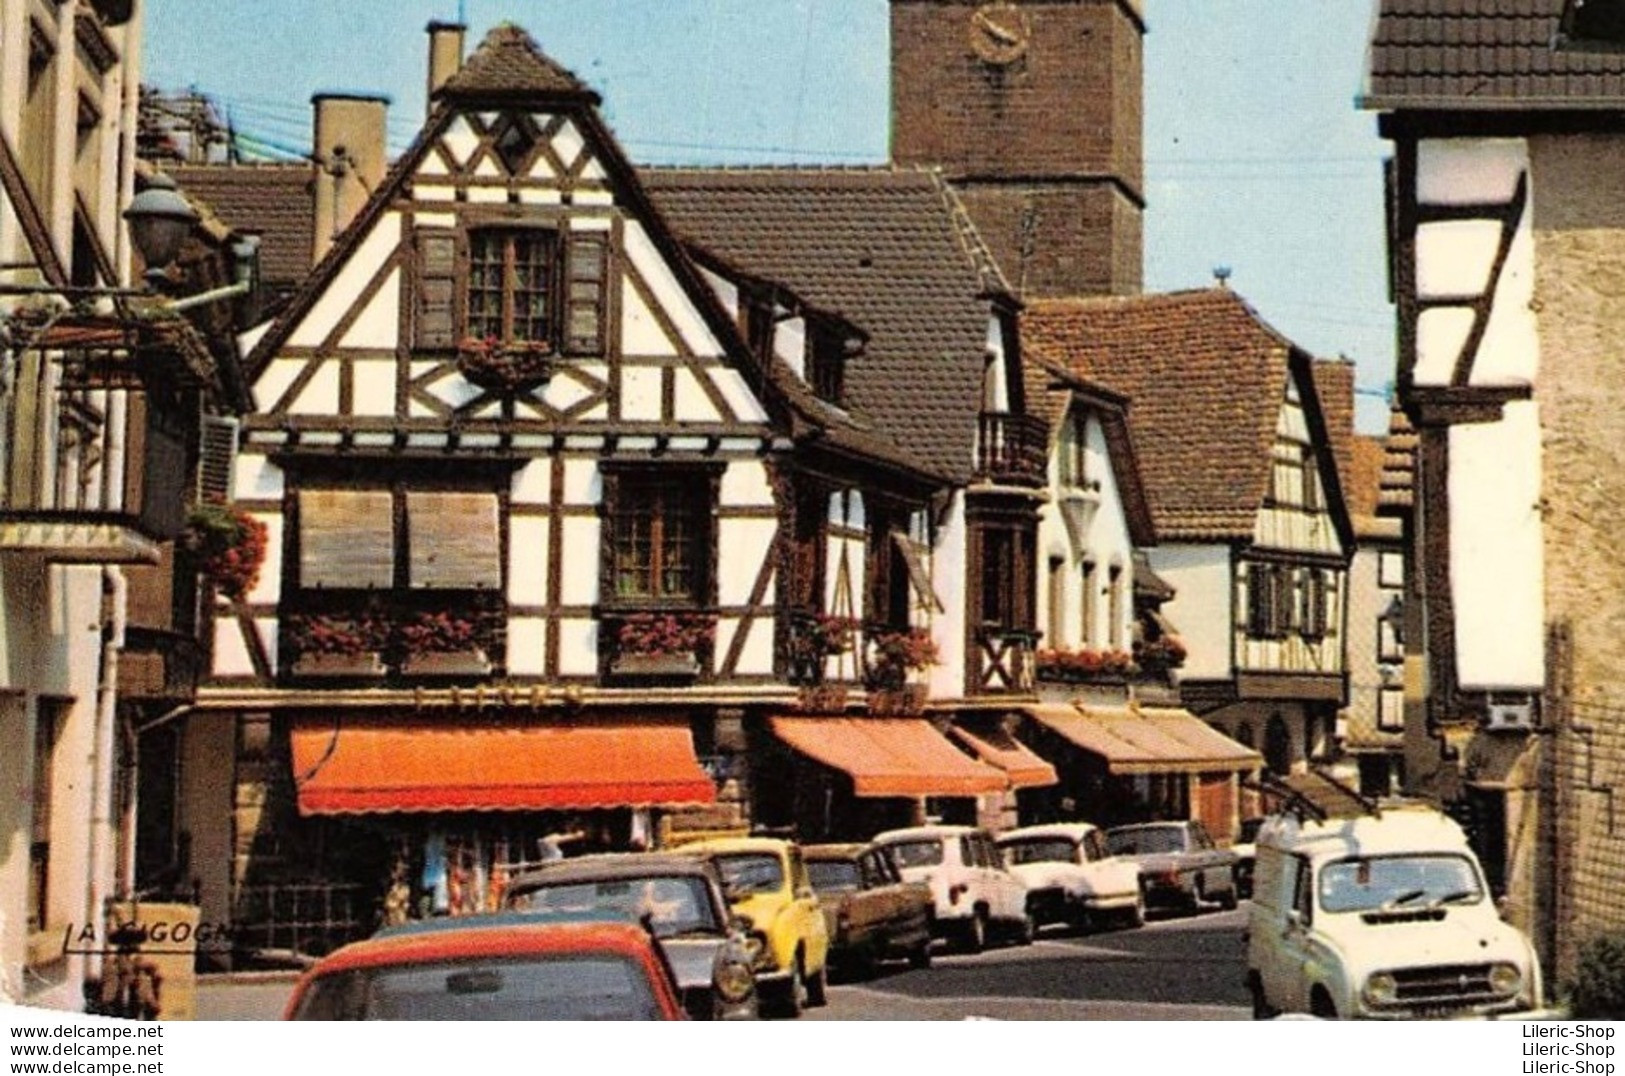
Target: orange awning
x,y
890,756
363,764
998,748
1133,739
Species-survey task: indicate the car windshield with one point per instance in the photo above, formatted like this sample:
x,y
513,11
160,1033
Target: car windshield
x,y
1394,883
751,872
834,875
598,986
1148,840
916,853
674,904
1039,850
1249,831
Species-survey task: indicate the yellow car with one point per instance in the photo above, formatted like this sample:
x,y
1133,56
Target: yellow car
x,y
767,883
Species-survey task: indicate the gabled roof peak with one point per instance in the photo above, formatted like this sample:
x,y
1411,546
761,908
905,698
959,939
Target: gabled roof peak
x,y
509,64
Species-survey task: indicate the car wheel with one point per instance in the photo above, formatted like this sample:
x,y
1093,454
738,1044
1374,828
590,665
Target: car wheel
x,y
1321,1004
1026,930
1230,899
1261,1005
1134,918
1198,893
794,999
974,938
920,957
818,989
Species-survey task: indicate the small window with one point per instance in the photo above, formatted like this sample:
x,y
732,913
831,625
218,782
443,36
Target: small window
x,y
1391,709
1313,605
661,535
1270,600
49,717
346,538
1074,452
826,366
1391,570
512,275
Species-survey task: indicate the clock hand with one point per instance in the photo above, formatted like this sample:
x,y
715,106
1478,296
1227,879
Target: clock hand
x,y
1004,36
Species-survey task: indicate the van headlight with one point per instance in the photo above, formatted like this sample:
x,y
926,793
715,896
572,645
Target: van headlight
x,y
1381,989
1506,978
734,982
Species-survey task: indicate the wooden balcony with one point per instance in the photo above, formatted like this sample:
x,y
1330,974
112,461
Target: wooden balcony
x,y
1012,450
93,471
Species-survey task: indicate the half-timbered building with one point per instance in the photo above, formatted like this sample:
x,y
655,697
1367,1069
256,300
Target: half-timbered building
x,y
1244,494
582,526
1505,226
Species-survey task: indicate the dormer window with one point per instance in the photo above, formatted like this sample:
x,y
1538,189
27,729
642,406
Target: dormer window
x,y
826,366
1074,454
512,277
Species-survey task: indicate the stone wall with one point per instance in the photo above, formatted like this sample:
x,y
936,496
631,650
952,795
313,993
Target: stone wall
x,y
1578,189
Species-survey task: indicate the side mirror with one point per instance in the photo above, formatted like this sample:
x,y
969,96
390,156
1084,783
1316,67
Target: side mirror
x,y
741,924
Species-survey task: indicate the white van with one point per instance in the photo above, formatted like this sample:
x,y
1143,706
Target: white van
x,y
1385,916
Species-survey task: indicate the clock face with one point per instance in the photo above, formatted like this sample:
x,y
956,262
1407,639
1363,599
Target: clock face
x,y
1000,33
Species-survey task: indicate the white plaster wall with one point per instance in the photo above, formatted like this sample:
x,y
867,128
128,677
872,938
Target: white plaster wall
x,y
527,646
374,386
527,560
379,324
640,250
1496,555
17,747
578,647
1106,544
351,281
743,544
948,563
1201,609
1454,259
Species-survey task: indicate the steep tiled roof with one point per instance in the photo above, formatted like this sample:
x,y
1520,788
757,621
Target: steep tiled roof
x,y
1486,54
1397,493
1334,384
270,200
1205,379
1363,489
887,250
510,63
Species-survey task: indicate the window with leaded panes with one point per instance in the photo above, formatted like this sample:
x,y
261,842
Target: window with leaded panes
x,y
511,284
661,537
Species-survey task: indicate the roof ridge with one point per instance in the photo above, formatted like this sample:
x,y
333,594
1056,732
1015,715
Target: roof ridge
x,y
970,240
509,62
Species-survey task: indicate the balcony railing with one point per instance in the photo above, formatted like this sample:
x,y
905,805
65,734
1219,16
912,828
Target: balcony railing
x,y
1012,449
91,470
1005,660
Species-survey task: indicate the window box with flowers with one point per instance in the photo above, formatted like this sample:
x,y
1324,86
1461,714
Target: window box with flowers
x,y
330,645
893,655
661,644
228,547
814,639
443,644
1085,666
505,365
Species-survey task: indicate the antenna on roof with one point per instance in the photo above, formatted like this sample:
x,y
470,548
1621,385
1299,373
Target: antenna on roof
x,y
1221,273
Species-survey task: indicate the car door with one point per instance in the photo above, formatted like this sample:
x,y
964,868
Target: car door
x,y
879,896
1010,902
809,915
1282,972
1208,862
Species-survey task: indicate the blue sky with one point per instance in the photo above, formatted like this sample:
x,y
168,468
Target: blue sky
x,y
1255,156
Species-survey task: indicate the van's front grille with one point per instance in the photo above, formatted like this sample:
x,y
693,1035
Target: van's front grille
x,y
1444,987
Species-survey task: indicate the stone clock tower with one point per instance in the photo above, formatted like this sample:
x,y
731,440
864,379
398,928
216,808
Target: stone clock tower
x,y
1032,109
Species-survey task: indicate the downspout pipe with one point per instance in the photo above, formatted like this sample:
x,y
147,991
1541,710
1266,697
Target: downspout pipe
x,y
104,828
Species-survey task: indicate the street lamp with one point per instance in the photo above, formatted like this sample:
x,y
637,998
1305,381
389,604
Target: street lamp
x,y
160,220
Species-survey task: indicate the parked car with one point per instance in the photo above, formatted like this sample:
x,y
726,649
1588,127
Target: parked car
x,y
870,912
1245,851
766,880
682,900
974,893
1179,865
493,968
1072,877
1381,917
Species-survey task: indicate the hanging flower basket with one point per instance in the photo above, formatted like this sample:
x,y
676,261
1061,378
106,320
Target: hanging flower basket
x,y
894,654
907,700
229,546
505,366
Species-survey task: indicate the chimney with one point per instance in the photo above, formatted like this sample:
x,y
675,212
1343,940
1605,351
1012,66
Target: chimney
x,y
445,53
351,159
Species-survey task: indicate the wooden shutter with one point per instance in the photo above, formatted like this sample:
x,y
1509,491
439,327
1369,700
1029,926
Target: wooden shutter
x,y
454,541
346,538
217,459
436,320
587,269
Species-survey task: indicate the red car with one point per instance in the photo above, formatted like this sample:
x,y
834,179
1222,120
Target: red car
x,y
493,968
